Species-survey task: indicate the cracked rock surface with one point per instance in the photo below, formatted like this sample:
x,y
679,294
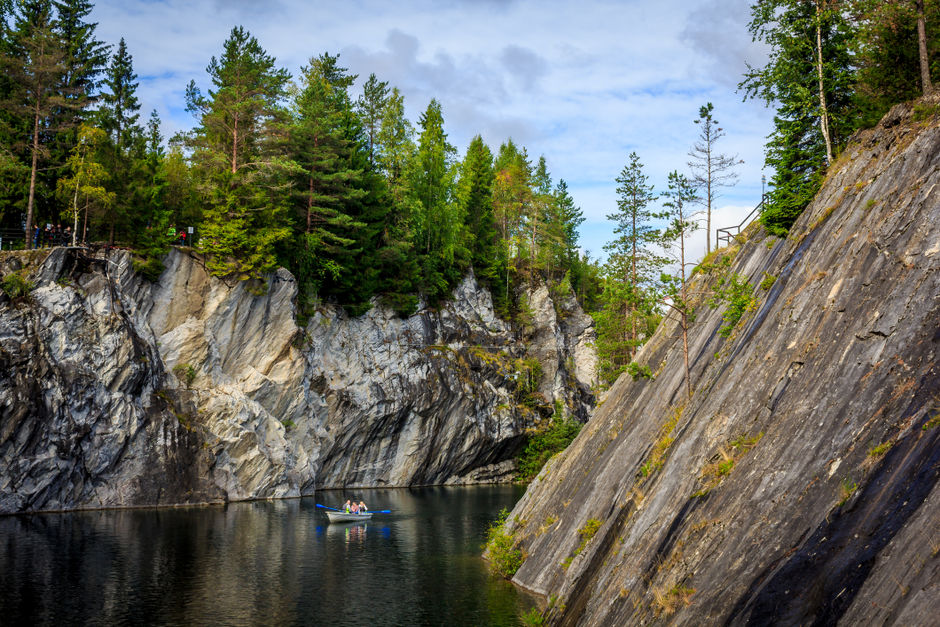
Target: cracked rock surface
x,y
799,484
117,392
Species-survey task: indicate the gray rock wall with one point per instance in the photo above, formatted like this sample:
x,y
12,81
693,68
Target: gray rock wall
x,y
799,484
95,409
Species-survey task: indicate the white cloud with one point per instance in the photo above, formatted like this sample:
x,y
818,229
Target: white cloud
x,y
582,83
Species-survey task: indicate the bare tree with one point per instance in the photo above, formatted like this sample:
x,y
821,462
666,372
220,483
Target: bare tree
x,y
710,171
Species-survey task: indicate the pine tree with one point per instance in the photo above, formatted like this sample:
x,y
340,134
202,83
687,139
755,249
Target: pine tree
x,y
680,195
710,170
891,49
35,64
338,198
631,270
240,169
85,58
571,218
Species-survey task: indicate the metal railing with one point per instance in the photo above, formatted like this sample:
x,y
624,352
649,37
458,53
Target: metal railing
x,y
727,234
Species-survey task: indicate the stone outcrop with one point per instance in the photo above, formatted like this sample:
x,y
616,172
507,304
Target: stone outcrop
x,y
118,392
798,484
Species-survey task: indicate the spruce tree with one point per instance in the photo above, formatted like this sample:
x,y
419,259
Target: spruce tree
x,y
118,115
438,223
371,107
475,194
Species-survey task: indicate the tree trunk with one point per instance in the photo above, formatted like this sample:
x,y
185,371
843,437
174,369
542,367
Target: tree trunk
x,y
684,313
32,179
823,109
925,81
708,192
235,145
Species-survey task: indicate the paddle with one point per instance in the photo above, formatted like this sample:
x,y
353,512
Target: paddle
x,y
332,508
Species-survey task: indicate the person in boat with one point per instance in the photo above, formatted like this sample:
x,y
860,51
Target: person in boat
x,y
347,507
362,507
355,507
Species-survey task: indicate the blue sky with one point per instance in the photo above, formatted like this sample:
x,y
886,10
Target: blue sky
x,y
583,83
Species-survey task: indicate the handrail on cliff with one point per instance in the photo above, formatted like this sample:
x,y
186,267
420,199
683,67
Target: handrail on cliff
x,y
727,234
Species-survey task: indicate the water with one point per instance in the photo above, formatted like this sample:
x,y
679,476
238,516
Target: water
x,y
262,563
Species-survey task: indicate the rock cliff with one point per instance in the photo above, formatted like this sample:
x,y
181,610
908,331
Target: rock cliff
x,y
798,484
117,392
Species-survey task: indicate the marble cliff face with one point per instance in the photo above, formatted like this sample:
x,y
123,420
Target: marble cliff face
x,y
798,484
117,392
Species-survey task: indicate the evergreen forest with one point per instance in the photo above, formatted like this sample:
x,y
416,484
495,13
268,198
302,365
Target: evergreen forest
x,y
334,182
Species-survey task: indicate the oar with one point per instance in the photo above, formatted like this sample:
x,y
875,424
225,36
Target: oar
x,y
332,508
383,511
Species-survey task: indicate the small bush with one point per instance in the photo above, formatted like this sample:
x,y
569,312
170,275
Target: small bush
x,y
185,373
533,618
16,286
877,451
505,558
288,424
668,601
768,281
846,489
638,371
587,532
542,445
736,292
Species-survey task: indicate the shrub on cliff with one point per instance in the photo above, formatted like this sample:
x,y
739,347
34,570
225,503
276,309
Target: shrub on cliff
x,y
16,286
504,558
542,445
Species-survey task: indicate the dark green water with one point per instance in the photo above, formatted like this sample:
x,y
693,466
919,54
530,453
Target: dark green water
x,y
265,563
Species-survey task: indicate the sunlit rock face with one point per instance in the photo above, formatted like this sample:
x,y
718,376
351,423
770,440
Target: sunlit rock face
x,y
798,485
118,392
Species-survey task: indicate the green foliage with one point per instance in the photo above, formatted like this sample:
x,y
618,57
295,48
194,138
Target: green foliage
x,y
505,558
657,456
736,292
528,376
846,489
798,151
533,618
587,532
878,451
629,313
543,444
239,171
288,424
16,286
638,371
185,373
768,281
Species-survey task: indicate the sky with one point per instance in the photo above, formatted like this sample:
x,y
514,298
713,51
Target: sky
x,y
583,83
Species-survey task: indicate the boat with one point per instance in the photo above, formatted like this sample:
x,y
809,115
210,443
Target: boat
x,y
347,516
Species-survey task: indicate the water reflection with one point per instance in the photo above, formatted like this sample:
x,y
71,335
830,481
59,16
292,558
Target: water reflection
x,y
262,563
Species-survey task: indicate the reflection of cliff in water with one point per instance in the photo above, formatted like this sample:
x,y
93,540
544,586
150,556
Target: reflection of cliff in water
x,y
259,563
